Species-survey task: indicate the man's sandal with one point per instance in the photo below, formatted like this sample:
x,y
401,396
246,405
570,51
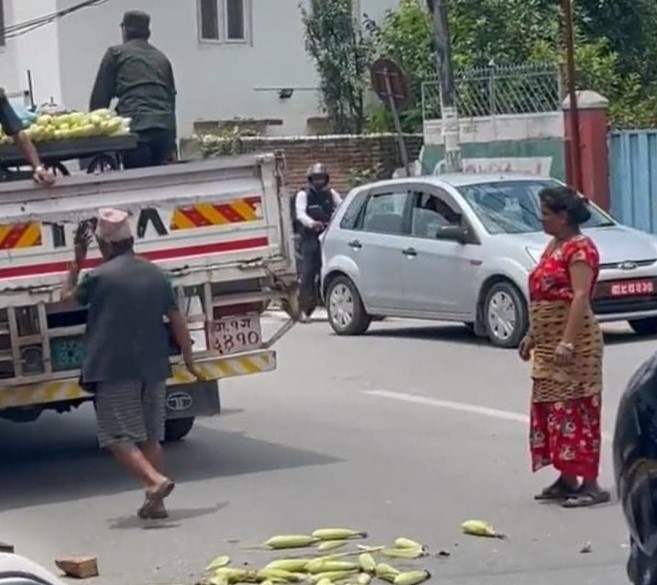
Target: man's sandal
x,y
587,499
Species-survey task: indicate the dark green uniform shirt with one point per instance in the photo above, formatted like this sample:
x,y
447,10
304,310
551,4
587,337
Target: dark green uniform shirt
x,y
9,121
141,77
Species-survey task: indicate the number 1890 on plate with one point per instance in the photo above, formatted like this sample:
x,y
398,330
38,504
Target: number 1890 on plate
x,y
236,334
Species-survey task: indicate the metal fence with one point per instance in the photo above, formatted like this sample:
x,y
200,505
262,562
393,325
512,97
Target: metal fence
x,y
633,178
491,91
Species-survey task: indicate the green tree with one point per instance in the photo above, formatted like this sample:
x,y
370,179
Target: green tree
x,y
341,50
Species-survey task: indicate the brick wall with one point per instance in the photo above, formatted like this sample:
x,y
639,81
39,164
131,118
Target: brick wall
x,y
343,155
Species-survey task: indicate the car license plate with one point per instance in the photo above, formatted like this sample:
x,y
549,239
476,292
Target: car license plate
x,y
631,288
236,334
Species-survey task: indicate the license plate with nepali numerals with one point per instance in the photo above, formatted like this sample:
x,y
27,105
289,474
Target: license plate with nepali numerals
x,y
628,288
236,334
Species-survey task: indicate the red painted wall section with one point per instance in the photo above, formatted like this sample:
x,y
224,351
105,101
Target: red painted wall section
x,y
593,123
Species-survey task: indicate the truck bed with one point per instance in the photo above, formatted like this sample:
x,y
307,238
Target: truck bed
x,y
221,221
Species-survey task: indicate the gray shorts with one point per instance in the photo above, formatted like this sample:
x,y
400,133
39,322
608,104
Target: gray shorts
x,y
130,412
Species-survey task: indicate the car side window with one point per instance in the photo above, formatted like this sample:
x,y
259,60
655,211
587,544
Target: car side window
x,y
429,214
385,213
349,220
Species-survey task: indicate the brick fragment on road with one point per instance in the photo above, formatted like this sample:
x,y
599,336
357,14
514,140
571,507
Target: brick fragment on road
x,y
78,567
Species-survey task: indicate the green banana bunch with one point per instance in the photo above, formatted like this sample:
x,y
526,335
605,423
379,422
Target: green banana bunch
x,y
331,545
367,563
283,541
412,578
332,576
280,575
231,575
291,565
386,572
218,563
480,528
338,534
329,566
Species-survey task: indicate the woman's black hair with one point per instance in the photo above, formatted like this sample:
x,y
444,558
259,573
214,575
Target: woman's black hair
x,y
565,200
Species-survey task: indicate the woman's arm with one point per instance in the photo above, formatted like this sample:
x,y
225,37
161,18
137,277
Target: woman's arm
x,y
581,278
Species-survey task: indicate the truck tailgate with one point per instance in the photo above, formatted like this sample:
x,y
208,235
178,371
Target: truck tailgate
x,y
220,219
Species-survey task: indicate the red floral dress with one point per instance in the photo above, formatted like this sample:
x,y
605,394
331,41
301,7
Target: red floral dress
x,y
566,400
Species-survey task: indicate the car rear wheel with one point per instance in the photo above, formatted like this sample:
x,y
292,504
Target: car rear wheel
x,y
505,315
345,309
644,327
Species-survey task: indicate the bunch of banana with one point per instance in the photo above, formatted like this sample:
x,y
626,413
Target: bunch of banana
x,y
333,576
328,545
367,563
412,578
338,534
386,572
480,528
279,576
405,548
283,541
327,565
291,565
228,575
218,563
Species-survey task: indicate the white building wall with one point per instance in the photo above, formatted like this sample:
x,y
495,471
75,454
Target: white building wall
x,y
215,81
34,51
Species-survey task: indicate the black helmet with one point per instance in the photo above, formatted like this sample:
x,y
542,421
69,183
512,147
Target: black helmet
x,y
318,170
635,469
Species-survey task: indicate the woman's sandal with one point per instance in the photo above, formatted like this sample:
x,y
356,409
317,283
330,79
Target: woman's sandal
x,y
559,490
587,499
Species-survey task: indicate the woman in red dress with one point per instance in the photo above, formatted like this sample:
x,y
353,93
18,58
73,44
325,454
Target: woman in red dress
x,y
565,344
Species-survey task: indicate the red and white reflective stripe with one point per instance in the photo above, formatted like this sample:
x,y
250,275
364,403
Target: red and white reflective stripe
x,y
50,268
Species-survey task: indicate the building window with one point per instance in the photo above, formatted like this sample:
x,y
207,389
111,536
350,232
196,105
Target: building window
x,y
224,20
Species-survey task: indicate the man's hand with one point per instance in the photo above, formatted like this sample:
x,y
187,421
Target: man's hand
x,y
318,226
81,242
192,369
43,176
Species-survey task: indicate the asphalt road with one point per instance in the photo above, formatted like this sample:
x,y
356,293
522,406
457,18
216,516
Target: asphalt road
x,y
409,431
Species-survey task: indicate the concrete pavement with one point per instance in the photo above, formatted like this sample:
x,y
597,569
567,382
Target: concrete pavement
x,y
409,431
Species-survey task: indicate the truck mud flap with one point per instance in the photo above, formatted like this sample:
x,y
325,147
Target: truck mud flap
x,y
192,400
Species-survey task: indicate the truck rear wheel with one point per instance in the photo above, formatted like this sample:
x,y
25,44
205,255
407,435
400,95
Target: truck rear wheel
x,y
177,429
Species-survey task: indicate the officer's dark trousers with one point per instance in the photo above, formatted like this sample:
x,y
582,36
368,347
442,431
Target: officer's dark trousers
x,y
311,265
154,148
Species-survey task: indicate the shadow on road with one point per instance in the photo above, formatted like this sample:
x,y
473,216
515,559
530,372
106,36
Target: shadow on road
x,y
176,516
56,460
456,333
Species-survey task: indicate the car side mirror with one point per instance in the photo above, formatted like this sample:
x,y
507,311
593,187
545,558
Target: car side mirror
x,y
454,233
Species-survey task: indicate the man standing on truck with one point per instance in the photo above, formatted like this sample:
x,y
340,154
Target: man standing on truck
x,y
126,361
314,207
141,77
12,126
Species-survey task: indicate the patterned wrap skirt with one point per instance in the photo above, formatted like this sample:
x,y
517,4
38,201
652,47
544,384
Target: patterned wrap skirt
x,y
566,400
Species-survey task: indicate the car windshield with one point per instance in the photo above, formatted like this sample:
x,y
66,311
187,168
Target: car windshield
x,y
513,207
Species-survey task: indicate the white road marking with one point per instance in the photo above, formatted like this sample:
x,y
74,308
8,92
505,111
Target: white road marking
x,y
458,407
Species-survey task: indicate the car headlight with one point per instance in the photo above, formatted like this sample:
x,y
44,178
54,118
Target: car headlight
x,y
535,254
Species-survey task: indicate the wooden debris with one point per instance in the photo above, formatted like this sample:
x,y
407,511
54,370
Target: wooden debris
x,y
78,567
6,548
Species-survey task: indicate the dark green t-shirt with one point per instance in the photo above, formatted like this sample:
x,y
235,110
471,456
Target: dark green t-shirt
x,y
141,78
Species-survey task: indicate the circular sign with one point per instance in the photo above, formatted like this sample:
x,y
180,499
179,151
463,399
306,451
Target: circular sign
x,y
390,83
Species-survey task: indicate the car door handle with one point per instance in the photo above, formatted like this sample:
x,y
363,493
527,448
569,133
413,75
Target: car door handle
x,y
355,244
412,252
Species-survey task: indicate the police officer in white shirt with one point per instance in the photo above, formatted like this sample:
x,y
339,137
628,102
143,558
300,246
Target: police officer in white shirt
x,y
314,208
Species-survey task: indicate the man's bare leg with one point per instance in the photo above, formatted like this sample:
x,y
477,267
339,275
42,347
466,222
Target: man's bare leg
x,y
154,454
138,464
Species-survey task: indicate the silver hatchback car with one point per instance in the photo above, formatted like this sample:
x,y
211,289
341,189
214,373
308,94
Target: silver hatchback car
x,y
460,248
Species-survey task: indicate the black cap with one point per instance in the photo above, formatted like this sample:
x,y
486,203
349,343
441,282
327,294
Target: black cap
x,y
136,19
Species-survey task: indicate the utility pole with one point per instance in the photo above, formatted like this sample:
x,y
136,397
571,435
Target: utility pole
x,y
450,119
575,136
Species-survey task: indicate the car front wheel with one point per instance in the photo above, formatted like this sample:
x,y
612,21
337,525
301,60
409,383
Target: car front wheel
x,y
505,315
345,309
644,327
